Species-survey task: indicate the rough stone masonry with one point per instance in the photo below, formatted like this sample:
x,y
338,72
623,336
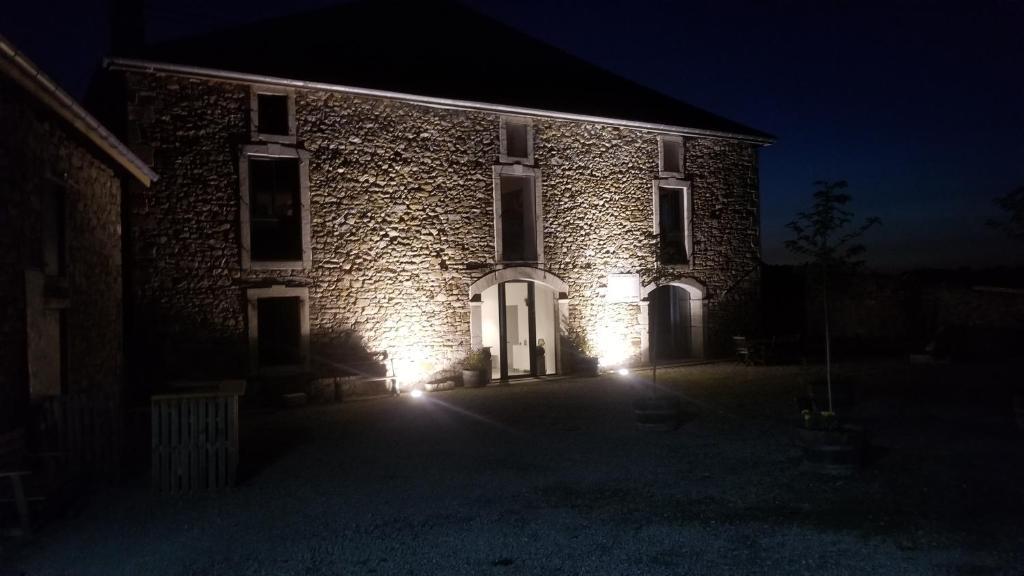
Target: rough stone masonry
x,y
38,152
401,208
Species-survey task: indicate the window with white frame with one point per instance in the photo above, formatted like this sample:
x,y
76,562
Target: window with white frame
x,y
518,221
274,210
516,140
670,155
272,114
673,221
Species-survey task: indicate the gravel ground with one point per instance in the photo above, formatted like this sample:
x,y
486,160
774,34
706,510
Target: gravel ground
x,y
552,478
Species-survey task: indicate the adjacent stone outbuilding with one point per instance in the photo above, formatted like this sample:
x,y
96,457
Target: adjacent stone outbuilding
x,y
60,242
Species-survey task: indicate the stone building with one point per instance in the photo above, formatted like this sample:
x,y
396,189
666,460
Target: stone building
x,y
426,201
60,242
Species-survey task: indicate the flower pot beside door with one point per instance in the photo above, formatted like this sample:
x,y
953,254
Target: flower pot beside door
x,y
476,369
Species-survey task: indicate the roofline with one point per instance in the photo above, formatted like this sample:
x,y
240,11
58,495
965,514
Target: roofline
x,y
31,78
134,65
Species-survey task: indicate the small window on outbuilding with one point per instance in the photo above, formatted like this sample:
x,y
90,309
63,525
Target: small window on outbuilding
x,y
516,140
670,156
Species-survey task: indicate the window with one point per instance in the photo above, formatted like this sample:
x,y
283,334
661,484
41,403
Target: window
x,y
516,140
278,328
279,331
518,229
672,221
670,155
272,112
54,231
275,207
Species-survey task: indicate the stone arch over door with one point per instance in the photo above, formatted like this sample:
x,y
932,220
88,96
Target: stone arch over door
x,y
697,293
512,274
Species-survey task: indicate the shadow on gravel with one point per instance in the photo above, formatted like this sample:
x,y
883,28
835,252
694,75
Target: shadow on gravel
x,y
262,445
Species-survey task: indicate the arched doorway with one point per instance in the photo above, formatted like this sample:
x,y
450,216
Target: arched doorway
x,y
669,322
672,321
517,313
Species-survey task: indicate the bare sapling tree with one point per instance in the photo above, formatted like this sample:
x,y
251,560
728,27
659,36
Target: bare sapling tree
x,y
826,237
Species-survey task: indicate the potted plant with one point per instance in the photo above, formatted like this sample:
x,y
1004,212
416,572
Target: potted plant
x,y
828,445
476,368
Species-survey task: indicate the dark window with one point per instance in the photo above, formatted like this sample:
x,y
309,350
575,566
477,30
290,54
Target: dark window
x,y
273,114
62,327
670,156
279,331
54,231
518,238
671,228
516,135
275,209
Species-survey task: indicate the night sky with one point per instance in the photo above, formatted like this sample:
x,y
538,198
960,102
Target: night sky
x,y
919,105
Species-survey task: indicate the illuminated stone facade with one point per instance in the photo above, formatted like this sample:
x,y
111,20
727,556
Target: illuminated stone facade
x,y
401,225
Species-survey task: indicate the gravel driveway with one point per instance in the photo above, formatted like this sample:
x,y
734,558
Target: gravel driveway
x,y
552,478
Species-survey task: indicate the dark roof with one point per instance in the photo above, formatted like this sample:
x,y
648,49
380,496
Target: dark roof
x,y
24,73
439,49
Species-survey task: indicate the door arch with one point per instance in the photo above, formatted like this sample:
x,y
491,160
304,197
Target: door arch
x,y
518,313
676,310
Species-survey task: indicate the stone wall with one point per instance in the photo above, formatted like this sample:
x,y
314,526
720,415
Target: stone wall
x,y
38,151
402,218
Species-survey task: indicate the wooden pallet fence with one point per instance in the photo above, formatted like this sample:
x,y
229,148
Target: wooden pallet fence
x,y
194,442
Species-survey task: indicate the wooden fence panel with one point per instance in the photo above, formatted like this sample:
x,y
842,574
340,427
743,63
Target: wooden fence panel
x,y
195,442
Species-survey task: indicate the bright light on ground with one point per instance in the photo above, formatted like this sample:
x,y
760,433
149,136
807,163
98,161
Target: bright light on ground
x,y
623,371
416,393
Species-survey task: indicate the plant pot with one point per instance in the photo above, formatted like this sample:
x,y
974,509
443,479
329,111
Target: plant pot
x,y
836,451
586,366
474,378
660,413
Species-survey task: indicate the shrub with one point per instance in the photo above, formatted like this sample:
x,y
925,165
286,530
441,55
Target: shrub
x,y
477,360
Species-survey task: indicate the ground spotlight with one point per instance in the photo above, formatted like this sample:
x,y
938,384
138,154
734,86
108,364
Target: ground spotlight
x,y
416,393
623,371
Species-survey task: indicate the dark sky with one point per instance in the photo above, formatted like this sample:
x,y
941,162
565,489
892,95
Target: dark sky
x,y
919,105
